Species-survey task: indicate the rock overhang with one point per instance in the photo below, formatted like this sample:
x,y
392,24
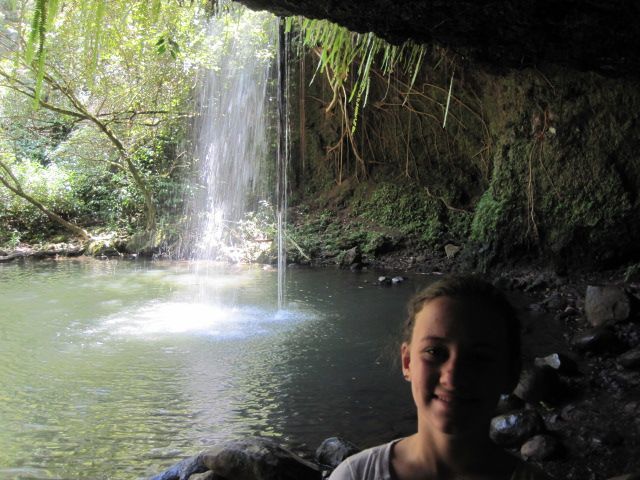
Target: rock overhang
x,y
587,35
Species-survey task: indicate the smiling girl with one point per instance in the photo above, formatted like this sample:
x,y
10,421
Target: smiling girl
x,y
460,352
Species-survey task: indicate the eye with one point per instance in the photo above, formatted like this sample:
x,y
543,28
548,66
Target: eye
x,y
438,353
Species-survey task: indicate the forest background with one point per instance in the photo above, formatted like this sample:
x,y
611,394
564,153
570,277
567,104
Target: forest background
x,y
409,148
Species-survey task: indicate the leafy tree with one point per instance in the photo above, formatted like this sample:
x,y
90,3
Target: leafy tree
x,y
121,75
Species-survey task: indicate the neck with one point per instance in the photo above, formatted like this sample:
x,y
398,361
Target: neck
x,y
448,455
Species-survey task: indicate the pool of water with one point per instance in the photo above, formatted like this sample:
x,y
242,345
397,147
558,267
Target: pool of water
x,y
116,370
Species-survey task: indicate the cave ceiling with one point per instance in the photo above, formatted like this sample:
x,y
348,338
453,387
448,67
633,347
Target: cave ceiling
x,y
597,35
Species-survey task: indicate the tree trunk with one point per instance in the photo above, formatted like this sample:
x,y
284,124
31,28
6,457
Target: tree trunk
x,y
17,189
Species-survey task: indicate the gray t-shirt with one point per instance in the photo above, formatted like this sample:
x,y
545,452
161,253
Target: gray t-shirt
x,y
375,464
371,464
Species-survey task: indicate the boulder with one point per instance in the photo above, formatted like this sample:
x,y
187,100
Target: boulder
x,y
540,447
247,459
182,470
606,304
332,451
257,459
512,429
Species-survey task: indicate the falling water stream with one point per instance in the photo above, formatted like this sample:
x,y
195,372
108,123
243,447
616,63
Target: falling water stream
x,y
232,130
234,133
283,158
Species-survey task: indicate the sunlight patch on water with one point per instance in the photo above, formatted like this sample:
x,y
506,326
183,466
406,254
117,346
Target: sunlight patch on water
x,y
181,318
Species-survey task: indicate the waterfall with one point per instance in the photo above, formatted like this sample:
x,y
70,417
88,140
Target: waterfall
x,y
234,135
283,158
231,131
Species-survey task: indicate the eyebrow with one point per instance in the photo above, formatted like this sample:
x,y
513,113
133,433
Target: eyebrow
x,y
436,338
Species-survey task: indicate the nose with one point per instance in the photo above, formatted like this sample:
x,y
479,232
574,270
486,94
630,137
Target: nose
x,y
452,371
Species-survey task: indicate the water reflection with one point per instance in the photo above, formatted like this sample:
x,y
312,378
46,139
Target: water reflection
x,y
115,369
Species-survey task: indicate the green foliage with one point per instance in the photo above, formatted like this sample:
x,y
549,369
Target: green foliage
x,y
486,221
52,185
405,208
343,52
114,109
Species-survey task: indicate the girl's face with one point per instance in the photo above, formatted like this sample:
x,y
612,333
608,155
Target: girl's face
x,y
457,363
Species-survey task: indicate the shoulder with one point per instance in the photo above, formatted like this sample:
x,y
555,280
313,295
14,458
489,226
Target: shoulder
x,y
372,463
525,471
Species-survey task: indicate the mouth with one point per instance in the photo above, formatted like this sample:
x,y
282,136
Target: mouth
x,y
450,398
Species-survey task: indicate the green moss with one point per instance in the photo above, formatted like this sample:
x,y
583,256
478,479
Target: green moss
x,y
488,216
403,207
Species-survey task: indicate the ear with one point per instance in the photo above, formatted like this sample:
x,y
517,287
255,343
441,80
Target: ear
x,y
405,355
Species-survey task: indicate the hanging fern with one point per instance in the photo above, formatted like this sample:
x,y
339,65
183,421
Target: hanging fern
x,y
44,14
341,49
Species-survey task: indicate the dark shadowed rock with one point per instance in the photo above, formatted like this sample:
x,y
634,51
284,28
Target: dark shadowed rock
x,y
555,302
540,282
540,447
568,312
257,459
537,384
333,451
512,429
606,303
509,403
630,359
451,250
350,257
182,470
596,340
247,459
204,476
629,476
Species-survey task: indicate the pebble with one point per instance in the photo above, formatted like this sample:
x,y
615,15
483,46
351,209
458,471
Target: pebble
x,y
451,250
540,447
595,340
559,362
512,429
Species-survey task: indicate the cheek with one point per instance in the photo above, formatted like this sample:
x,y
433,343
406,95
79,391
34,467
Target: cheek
x,y
423,372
